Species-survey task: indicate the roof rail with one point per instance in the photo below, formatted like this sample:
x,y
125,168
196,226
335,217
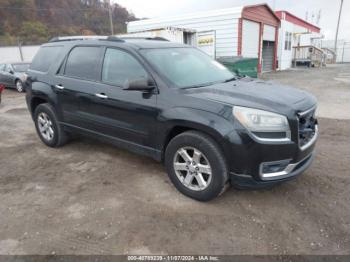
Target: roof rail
x,y
157,38
85,37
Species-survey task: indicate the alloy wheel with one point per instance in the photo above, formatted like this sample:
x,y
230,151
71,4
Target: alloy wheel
x,y
19,86
192,168
45,126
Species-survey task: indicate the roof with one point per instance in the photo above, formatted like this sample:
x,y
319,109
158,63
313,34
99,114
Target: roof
x,y
138,43
297,20
259,13
167,21
15,63
172,28
141,43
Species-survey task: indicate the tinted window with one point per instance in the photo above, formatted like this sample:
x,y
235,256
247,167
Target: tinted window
x,y
83,62
20,67
119,66
45,58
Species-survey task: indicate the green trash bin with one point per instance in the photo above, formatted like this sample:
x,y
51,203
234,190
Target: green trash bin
x,y
241,66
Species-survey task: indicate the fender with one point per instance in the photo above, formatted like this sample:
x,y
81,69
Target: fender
x,y
45,92
209,123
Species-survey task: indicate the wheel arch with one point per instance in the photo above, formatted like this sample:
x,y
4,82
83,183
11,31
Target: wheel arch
x,y
35,101
183,126
38,93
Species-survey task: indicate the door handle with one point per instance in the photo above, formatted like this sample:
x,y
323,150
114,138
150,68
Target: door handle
x,y
60,87
102,95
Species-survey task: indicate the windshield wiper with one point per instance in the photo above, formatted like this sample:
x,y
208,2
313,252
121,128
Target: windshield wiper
x,y
211,83
230,79
197,86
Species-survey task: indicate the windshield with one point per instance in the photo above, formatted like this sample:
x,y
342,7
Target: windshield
x,y
20,67
187,67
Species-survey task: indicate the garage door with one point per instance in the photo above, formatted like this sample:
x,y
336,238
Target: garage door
x,y
268,55
269,33
250,39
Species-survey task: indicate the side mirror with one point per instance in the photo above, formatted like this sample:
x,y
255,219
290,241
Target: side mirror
x,y
140,84
11,72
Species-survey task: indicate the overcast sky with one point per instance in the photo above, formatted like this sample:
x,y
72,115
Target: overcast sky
x,y
328,22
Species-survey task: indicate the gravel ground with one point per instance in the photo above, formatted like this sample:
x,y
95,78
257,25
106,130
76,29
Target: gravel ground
x,y
92,198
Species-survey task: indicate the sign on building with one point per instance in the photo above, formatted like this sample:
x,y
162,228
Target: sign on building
x,y
206,42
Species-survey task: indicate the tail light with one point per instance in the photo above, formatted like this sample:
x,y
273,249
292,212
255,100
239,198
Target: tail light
x,y
2,87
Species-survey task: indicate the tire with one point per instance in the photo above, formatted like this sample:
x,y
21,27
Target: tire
x,y
58,137
19,86
211,156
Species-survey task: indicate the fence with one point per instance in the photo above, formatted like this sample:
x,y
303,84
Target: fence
x,y
345,53
17,53
343,49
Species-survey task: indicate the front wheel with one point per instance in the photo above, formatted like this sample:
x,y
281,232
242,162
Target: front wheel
x,y
196,165
19,86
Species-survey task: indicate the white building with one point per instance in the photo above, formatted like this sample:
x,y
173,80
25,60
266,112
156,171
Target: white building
x,y
294,32
12,54
248,31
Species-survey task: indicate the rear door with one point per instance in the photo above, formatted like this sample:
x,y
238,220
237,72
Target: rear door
x,y
76,85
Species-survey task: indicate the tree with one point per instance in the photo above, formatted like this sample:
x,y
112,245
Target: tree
x,y
33,31
35,21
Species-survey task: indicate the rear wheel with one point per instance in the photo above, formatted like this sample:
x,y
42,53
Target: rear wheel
x,y
19,86
196,165
48,127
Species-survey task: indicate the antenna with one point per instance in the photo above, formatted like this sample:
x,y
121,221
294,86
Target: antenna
x,y
273,5
318,17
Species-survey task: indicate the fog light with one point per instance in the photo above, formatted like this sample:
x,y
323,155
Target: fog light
x,y
274,167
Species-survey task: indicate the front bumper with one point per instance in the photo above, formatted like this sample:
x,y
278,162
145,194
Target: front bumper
x,y
247,181
256,164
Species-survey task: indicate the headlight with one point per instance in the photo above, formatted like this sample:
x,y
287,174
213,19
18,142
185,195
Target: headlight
x,y
263,124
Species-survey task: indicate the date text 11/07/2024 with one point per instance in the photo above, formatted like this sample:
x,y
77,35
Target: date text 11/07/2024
x,y
173,258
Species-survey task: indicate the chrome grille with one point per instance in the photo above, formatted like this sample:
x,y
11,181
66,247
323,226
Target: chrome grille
x,y
307,127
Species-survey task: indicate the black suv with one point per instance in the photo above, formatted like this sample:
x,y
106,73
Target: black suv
x,y
175,104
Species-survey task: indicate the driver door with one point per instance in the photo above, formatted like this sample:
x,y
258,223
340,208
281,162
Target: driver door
x,y
123,114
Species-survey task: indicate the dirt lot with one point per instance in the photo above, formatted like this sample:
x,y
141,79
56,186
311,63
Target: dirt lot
x,y
92,198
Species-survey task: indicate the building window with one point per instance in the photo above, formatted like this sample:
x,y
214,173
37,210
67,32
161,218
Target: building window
x,y
288,41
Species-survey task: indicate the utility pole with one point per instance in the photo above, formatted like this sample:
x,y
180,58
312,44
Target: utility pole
x,y
336,34
20,48
110,17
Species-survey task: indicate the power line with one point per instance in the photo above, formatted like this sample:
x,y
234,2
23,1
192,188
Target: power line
x,y
47,9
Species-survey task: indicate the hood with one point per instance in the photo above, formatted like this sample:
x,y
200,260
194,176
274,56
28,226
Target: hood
x,y
258,94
